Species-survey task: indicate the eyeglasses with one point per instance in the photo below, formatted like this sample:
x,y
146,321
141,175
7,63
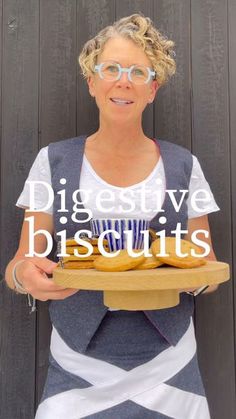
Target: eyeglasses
x,y
112,71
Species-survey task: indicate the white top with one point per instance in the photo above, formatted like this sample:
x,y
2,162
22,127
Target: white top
x,y
142,200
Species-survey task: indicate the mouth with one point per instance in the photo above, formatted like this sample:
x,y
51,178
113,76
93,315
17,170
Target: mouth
x,y
121,102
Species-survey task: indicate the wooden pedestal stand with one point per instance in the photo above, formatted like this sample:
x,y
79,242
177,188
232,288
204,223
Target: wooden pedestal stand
x,y
143,289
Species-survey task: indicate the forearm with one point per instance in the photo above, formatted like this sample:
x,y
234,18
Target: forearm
x,y
9,270
42,221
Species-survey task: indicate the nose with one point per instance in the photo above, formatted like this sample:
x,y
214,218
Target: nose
x,y
124,80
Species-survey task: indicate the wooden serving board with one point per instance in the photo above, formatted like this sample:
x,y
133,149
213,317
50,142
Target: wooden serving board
x,y
143,289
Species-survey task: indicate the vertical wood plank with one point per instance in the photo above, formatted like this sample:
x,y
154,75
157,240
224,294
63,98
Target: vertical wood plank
x,y
43,334
1,39
214,313
232,107
92,16
57,120
19,144
57,70
173,103
127,8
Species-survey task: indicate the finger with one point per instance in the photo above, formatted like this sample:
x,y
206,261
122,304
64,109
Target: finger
x,y
40,280
60,289
56,295
45,264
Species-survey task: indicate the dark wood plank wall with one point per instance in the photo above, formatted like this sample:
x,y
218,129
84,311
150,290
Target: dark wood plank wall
x,y
19,145
44,99
232,130
210,99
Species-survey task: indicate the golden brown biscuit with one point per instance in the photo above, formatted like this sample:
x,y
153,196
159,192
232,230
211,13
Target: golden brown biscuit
x,y
78,265
76,262
93,241
149,263
78,258
82,250
177,261
122,262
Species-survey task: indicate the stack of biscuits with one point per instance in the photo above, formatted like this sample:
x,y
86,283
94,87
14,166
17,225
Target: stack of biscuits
x,y
123,261
191,256
81,262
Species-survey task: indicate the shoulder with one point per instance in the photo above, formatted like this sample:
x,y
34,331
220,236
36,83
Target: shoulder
x,y
62,149
169,146
66,144
177,154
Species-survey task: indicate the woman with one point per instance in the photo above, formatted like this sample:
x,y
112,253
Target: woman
x,y
115,363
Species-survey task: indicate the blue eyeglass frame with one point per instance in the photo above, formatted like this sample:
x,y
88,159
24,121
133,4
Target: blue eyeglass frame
x,y
97,68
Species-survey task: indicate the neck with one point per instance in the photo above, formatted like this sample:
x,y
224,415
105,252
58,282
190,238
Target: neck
x,y
114,137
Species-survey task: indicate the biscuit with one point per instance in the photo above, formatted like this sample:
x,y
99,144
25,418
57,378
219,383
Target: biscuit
x,y
82,250
87,264
76,262
78,258
93,241
122,262
174,260
149,263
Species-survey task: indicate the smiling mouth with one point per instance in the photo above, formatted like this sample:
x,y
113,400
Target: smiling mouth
x,y
121,102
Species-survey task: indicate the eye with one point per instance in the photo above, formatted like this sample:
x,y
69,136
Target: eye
x,y
111,68
137,71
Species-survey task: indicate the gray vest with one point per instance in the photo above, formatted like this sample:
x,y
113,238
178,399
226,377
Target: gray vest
x,y
78,317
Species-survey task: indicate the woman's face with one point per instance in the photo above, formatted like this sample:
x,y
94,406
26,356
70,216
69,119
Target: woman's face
x,y
126,53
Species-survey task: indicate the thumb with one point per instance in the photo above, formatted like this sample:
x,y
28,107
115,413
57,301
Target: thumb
x,y
45,264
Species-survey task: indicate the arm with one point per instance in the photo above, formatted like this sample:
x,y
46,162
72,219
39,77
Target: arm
x,y
201,223
32,272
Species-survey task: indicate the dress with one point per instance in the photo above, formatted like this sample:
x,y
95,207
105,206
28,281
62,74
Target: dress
x,y
121,364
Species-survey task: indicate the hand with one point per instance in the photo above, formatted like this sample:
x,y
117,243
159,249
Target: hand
x,y
32,274
187,289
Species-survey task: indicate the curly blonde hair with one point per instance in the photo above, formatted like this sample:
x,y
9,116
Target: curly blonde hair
x,y
141,31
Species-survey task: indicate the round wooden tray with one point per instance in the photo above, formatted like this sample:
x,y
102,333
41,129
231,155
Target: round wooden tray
x,y
143,289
